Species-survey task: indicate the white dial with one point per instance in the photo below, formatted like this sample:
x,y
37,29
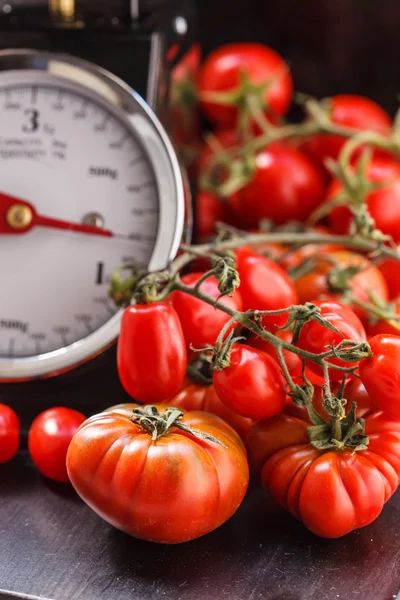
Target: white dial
x,y
79,197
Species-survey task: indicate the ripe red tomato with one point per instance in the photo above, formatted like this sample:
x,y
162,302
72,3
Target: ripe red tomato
x,y
383,203
381,373
389,269
49,437
316,283
286,186
9,433
317,339
264,285
201,322
347,110
204,397
209,210
332,492
170,489
252,385
151,352
221,72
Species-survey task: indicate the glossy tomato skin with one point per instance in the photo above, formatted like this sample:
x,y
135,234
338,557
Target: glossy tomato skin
x,y
201,322
286,186
352,111
315,285
383,203
9,433
221,72
264,285
204,397
49,437
252,385
381,373
316,338
389,269
151,352
331,492
169,490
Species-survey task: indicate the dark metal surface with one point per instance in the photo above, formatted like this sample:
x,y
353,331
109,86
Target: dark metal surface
x,y
54,547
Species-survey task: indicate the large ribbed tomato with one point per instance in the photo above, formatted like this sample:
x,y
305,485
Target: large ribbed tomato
x,y
332,492
153,479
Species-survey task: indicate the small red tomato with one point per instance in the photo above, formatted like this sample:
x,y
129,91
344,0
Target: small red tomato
x,y
252,385
49,438
293,361
286,186
151,352
383,203
381,373
316,338
389,269
201,322
209,210
222,71
264,285
204,397
316,284
355,112
9,433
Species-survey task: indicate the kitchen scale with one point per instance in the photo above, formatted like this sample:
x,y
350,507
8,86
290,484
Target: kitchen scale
x,y
89,181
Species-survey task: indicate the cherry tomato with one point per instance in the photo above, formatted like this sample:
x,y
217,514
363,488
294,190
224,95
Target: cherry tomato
x,y
201,322
222,71
293,361
316,338
332,492
264,285
355,112
49,437
297,257
168,489
383,203
252,385
9,433
389,269
286,186
316,283
151,352
204,397
381,373
209,210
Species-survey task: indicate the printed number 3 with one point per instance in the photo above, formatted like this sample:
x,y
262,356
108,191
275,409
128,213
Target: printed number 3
x,y
33,121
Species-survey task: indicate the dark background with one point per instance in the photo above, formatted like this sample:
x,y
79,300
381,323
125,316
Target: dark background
x,y
332,46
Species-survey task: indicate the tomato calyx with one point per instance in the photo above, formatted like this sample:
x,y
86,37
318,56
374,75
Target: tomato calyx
x,y
158,424
340,433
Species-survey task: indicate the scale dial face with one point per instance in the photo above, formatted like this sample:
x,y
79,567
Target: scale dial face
x,y
88,183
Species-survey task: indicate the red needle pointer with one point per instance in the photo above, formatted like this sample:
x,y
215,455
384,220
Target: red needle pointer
x,y
18,216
